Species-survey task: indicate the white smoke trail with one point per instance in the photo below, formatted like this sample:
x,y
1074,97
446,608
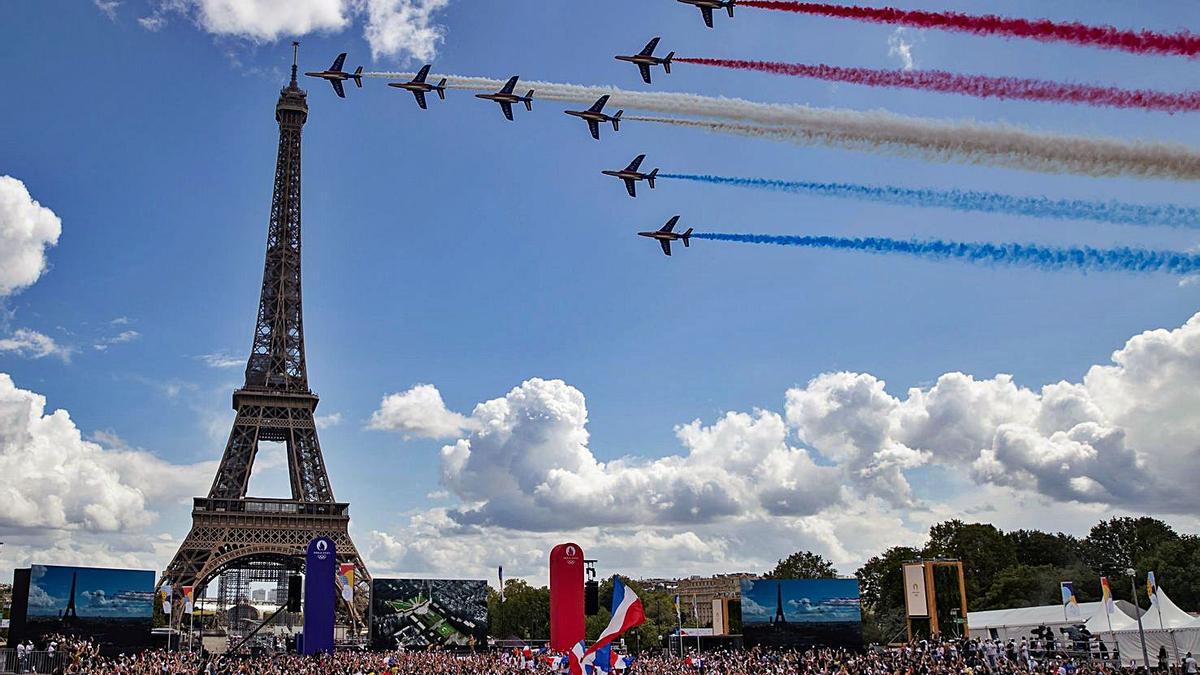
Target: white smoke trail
x,y
964,142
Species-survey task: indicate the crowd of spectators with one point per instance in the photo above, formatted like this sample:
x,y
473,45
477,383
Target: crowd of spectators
x,y
948,657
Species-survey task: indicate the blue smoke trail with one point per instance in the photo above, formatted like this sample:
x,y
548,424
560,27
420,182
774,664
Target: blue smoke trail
x,y
1120,213
1030,255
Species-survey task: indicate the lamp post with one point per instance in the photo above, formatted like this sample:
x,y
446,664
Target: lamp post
x,y
1137,610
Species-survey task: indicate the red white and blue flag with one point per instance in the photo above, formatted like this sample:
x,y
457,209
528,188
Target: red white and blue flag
x,y
627,612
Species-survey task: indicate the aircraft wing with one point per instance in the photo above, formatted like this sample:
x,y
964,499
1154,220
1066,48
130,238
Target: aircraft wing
x,y
636,163
631,187
420,96
650,47
508,86
507,108
594,127
707,12
599,104
337,87
670,224
422,74
338,62
666,246
645,72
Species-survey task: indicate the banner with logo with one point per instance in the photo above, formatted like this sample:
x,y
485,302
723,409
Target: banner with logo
x,y
1070,604
166,600
567,625
320,599
346,581
187,599
915,599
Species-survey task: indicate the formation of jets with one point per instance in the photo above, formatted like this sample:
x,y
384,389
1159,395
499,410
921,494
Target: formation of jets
x,y
666,234
506,98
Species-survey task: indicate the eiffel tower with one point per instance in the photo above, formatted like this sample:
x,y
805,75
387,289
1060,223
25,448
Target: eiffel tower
x,y
231,531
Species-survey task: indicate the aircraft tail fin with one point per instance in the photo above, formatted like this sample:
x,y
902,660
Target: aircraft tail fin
x,y
616,120
730,8
441,89
667,62
529,100
687,238
358,76
651,177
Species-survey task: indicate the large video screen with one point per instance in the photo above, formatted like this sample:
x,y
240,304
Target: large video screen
x,y
424,613
113,607
801,613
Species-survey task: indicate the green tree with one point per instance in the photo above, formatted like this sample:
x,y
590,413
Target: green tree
x,y
983,549
803,565
1118,544
881,589
1176,567
524,614
1035,548
1024,586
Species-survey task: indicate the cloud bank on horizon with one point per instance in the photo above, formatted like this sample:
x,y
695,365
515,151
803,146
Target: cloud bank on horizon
x,y
522,470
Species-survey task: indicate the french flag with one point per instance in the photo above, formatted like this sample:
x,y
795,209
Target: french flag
x,y
627,612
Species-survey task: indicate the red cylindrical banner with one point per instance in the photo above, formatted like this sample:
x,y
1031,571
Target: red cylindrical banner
x,y
566,597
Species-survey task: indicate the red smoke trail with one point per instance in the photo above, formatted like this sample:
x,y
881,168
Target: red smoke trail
x,y
1139,42
974,85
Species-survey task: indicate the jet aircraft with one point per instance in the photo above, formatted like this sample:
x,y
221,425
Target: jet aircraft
x,y
706,8
419,87
594,116
665,235
506,98
335,75
631,175
646,58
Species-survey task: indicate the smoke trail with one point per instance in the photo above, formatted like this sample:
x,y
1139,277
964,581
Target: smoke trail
x,y
1120,213
1182,43
1092,157
1026,255
965,142
974,85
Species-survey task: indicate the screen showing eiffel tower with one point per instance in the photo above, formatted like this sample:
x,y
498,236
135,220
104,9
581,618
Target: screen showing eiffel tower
x,y
801,613
113,607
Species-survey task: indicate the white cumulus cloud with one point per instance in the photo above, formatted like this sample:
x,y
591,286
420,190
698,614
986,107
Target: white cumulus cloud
x,y
392,28
26,229
418,412
526,464
55,479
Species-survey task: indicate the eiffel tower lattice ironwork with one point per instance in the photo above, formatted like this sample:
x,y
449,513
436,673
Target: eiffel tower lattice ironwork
x,y
229,529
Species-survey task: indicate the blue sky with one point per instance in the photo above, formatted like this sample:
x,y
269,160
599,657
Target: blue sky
x,y
453,248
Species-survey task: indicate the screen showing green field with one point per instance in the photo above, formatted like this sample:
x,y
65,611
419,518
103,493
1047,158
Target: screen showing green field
x,y
428,613
801,613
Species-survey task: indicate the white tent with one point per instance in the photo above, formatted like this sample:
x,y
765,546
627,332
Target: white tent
x,y
1166,614
1173,628
1102,621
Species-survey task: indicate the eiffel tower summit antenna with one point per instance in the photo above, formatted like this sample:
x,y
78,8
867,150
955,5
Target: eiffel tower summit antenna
x,y
230,530
295,54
